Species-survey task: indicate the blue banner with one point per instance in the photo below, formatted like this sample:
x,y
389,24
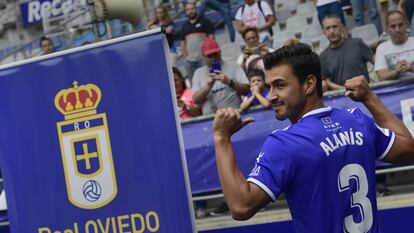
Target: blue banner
x,y
199,146
90,141
35,11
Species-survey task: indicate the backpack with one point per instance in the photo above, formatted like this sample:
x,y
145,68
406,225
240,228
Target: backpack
x,y
259,3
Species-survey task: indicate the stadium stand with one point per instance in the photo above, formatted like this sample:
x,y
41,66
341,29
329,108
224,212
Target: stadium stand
x,y
368,33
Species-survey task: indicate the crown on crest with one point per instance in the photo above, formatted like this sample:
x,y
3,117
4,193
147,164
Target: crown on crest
x,y
78,101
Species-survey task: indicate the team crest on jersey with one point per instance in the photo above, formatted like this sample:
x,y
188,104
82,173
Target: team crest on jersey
x,y
85,147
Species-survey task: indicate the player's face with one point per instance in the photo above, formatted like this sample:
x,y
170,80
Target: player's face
x,y
397,28
286,94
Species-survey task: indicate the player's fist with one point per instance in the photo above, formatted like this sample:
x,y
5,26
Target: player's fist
x,y
357,89
227,121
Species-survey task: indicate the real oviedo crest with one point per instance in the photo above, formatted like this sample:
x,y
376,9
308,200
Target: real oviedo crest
x,y
85,147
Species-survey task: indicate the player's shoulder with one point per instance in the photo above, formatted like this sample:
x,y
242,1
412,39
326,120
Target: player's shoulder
x,y
354,112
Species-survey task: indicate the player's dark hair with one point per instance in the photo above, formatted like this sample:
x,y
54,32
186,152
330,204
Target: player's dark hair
x,y
301,59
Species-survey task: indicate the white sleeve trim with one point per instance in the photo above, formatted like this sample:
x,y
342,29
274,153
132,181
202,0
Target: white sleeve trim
x,y
385,153
262,186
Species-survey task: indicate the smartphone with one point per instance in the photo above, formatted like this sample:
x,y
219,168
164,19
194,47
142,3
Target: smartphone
x,y
215,65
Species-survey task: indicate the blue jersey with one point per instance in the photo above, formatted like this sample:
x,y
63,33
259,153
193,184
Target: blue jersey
x,y
325,165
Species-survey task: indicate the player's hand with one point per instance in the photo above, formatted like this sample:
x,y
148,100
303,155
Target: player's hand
x,y
357,89
227,122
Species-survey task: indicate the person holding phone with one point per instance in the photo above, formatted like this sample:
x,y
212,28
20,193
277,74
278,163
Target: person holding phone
x,y
218,84
253,47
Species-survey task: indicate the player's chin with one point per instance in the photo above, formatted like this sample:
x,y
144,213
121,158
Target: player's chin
x,y
280,115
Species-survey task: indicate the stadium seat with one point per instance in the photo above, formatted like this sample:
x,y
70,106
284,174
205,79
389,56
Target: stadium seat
x,y
368,33
306,9
323,44
296,24
281,37
278,4
282,15
230,51
291,5
238,38
222,38
313,33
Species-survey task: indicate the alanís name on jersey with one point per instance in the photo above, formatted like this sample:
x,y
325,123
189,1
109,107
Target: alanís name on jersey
x,y
341,139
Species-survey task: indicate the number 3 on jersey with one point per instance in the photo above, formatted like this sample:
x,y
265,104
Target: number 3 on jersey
x,y
359,198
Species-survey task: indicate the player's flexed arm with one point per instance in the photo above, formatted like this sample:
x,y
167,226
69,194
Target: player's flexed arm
x,y
244,199
403,148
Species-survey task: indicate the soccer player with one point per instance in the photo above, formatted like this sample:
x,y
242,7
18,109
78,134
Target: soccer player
x,y
324,162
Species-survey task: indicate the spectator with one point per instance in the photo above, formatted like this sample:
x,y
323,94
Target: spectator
x,y
345,58
163,20
186,106
222,6
358,7
394,58
259,94
46,45
329,7
259,15
193,33
218,84
253,47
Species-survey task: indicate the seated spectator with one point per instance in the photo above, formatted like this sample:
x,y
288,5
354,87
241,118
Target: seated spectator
x,y
163,20
345,58
394,58
259,94
261,17
186,106
222,6
46,45
253,47
218,84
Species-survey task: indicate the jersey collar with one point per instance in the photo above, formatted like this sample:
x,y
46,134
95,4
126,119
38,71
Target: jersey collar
x,y
317,111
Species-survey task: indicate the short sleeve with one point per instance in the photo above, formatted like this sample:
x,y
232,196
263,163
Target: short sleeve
x,y
324,66
209,27
238,15
266,8
383,138
365,50
274,168
197,77
380,63
182,33
240,75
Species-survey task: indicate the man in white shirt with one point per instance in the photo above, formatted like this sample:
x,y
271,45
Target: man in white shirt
x,y
256,14
395,58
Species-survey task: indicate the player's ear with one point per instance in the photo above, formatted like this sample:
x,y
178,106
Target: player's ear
x,y
310,84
